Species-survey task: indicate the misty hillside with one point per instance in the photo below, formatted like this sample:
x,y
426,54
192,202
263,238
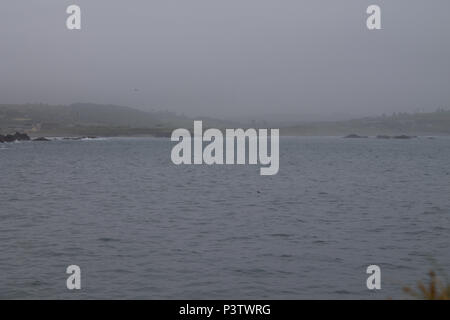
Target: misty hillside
x,y
83,114
111,120
431,123
92,119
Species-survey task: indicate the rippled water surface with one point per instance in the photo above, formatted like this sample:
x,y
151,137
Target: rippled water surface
x,y
141,227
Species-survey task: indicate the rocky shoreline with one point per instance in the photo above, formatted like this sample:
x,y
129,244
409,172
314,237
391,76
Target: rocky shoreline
x,y
14,137
356,136
25,137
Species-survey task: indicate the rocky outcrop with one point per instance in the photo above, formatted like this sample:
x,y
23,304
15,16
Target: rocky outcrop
x,y
25,137
41,139
404,137
9,138
14,137
354,136
21,136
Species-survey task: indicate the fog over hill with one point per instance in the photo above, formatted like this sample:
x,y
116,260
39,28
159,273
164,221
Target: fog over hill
x,y
233,58
92,119
112,120
425,123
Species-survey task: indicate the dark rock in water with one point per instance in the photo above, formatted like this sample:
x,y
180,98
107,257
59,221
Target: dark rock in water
x,y
354,136
21,136
404,137
383,137
14,137
10,138
72,138
41,139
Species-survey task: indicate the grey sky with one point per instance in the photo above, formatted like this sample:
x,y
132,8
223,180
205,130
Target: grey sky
x,y
229,57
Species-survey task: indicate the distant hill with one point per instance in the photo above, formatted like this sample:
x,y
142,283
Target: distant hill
x,y
83,119
432,123
90,119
